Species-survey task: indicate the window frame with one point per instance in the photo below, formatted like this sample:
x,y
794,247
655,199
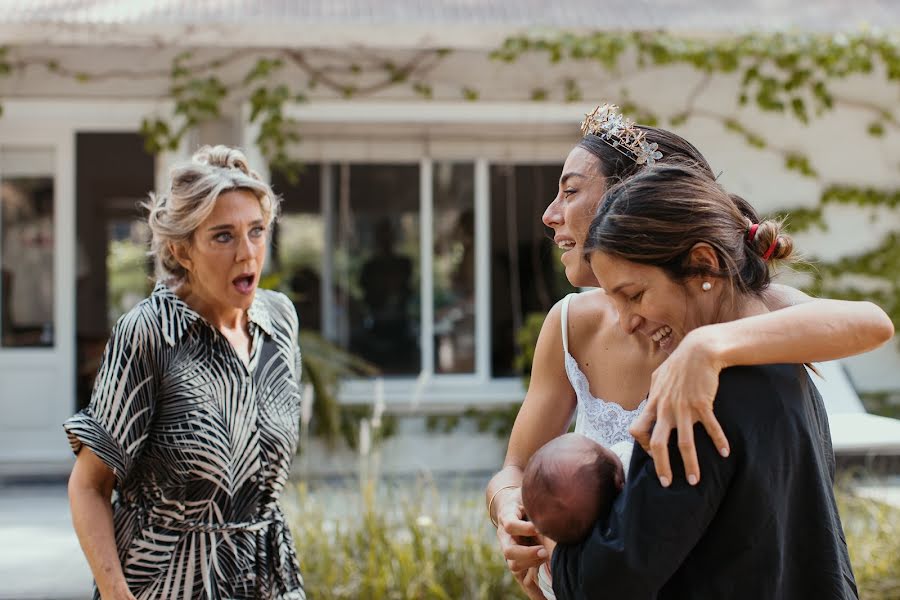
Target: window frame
x,y
481,134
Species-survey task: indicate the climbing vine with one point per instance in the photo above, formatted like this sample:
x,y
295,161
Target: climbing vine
x,y
785,73
199,94
793,74
871,275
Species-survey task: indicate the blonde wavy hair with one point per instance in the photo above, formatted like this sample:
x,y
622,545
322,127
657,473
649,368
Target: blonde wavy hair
x,y
193,190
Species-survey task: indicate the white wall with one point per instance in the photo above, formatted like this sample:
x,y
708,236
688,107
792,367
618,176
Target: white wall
x,y
837,143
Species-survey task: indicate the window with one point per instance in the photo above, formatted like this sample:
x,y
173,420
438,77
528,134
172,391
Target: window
x,y
27,219
348,249
453,267
351,258
298,245
526,274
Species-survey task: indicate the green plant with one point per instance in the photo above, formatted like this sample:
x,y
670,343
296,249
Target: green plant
x,y
870,275
325,365
127,269
405,543
872,530
793,74
498,421
380,542
788,73
526,339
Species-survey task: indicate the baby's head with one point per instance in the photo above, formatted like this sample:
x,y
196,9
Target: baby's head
x,y
568,485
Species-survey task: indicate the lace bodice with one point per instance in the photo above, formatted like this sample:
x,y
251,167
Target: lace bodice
x,y
604,422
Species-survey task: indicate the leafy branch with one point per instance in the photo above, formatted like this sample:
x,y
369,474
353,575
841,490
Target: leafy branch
x,y
779,72
786,73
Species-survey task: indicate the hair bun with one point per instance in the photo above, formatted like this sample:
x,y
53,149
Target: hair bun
x,y
770,243
224,157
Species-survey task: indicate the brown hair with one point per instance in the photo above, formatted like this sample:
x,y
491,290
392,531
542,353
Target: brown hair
x,y
616,167
659,214
568,484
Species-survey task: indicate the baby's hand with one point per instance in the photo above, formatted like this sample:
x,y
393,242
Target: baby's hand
x,y
529,583
549,545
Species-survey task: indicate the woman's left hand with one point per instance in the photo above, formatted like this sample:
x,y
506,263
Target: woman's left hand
x,y
682,391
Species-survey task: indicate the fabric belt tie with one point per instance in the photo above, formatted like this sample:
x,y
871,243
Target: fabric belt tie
x,y
257,523
272,538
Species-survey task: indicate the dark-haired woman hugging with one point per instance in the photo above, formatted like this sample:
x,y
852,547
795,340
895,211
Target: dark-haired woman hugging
x,y
676,253
616,384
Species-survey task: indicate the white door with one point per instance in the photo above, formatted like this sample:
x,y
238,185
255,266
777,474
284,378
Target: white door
x,y
37,262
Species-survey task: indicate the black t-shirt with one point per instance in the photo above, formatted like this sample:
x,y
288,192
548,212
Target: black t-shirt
x,y
762,523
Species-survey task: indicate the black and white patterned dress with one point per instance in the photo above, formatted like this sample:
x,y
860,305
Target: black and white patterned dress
x,y
201,446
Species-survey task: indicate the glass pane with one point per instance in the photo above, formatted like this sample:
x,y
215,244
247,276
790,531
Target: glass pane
x,y
26,248
127,265
454,268
298,244
376,304
526,275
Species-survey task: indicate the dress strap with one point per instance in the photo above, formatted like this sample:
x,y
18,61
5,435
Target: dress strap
x,y
565,320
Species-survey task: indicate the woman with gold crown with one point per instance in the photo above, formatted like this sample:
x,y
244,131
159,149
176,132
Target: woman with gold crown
x,y
617,384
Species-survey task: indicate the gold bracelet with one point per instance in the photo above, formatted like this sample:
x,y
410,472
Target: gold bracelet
x,y
491,503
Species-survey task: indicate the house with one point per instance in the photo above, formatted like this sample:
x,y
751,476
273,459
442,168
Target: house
x,y
413,234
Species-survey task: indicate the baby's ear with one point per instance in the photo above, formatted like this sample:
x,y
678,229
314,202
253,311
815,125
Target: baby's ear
x,y
620,479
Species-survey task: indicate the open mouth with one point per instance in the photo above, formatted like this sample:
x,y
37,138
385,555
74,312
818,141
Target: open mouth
x,y
244,283
564,243
662,337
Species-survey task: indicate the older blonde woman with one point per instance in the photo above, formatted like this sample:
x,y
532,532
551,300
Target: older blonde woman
x,y
194,415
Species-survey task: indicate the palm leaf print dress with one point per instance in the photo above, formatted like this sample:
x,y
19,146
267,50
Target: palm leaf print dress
x,y
201,445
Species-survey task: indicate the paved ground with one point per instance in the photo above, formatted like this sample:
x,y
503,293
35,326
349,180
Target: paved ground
x,y
39,554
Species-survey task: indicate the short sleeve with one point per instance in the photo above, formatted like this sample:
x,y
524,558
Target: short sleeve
x,y
116,424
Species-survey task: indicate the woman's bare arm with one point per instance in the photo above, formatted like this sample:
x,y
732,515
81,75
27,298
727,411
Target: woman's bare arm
x,y
799,329
544,415
90,489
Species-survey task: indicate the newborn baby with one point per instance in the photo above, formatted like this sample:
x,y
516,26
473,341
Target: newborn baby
x,y
568,485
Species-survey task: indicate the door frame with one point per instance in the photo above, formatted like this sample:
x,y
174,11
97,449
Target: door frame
x,y
34,443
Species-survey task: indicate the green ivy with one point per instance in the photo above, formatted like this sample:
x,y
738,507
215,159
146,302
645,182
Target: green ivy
x,y
787,73
498,421
780,72
879,266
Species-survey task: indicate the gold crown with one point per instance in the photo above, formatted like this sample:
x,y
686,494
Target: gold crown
x,y
606,123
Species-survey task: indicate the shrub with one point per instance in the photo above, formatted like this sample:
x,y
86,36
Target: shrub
x,y
873,538
416,543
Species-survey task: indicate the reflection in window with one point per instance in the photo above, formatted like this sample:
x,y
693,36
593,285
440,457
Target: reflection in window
x,y
298,243
526,275
128,267
376,265
26,251
454,268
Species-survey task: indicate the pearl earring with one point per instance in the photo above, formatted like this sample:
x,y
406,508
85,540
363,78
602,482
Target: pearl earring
x,y
706,286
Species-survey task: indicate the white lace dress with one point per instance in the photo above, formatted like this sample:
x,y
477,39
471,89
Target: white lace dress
x,y
604,422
